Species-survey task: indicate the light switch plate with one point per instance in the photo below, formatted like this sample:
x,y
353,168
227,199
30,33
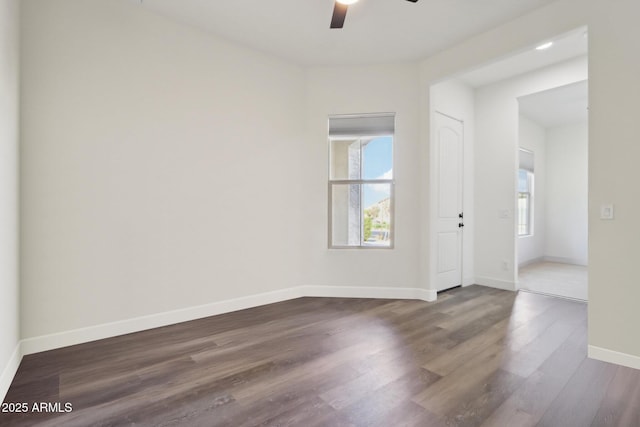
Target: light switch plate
x,y
606,212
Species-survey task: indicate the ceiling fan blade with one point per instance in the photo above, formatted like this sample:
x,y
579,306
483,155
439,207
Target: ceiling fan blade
x,y
339,13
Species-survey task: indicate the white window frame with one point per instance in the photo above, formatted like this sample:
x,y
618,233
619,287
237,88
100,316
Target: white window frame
x,y
362,183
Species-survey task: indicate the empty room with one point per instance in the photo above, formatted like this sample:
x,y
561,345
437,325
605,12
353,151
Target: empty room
x,y
318,213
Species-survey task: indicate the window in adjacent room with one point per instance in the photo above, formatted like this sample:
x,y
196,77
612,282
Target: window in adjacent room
x,y
361,181
525,193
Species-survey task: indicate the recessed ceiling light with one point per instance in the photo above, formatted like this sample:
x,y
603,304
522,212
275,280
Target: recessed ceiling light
x,y
544,46
347,2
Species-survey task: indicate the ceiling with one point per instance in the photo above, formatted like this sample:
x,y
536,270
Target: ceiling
x,y
565,46
375,31
559,106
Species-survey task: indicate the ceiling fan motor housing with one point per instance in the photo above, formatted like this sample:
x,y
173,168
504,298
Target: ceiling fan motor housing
x,y
340,12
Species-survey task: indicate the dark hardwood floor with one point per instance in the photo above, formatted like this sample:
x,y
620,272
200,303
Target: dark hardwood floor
x,y
476,357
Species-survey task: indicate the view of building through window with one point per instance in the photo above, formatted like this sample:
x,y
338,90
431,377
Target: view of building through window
x,y
377,156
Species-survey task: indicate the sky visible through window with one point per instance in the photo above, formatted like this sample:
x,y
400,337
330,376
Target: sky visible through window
x,y
378,164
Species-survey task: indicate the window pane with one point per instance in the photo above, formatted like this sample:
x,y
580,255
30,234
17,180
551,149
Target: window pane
x,y
345,159
523,181
377,158
525,192
346,215
377,214
523,214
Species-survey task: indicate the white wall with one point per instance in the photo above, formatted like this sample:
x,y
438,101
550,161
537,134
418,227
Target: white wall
x,y
567,194
160,167
497,118
9,291
456,99
352,90
560,196
613,155
613,149
532,137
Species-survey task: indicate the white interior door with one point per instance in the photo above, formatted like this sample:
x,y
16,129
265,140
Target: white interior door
x,y
449,211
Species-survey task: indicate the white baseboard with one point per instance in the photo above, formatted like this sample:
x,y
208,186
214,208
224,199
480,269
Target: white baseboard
x,y
9,371
496,283
137,324
468,281
531,261
612,356
563,260
369,292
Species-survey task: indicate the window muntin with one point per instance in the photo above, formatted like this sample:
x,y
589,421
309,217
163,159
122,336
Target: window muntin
x,y
361,181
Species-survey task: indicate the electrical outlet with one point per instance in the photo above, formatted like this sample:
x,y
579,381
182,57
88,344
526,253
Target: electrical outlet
x,y
606,212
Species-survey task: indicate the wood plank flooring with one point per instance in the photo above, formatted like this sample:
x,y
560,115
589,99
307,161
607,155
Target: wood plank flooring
x,y
476,357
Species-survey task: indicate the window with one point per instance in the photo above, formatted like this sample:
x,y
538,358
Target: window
x,y
525,191
525,194
361,181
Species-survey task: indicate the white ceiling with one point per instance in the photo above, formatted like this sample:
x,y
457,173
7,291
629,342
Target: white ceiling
x,y
558,106
566,46
375,31
554,107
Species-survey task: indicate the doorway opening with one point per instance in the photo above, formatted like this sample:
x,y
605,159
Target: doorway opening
x,y
489,102
552,186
